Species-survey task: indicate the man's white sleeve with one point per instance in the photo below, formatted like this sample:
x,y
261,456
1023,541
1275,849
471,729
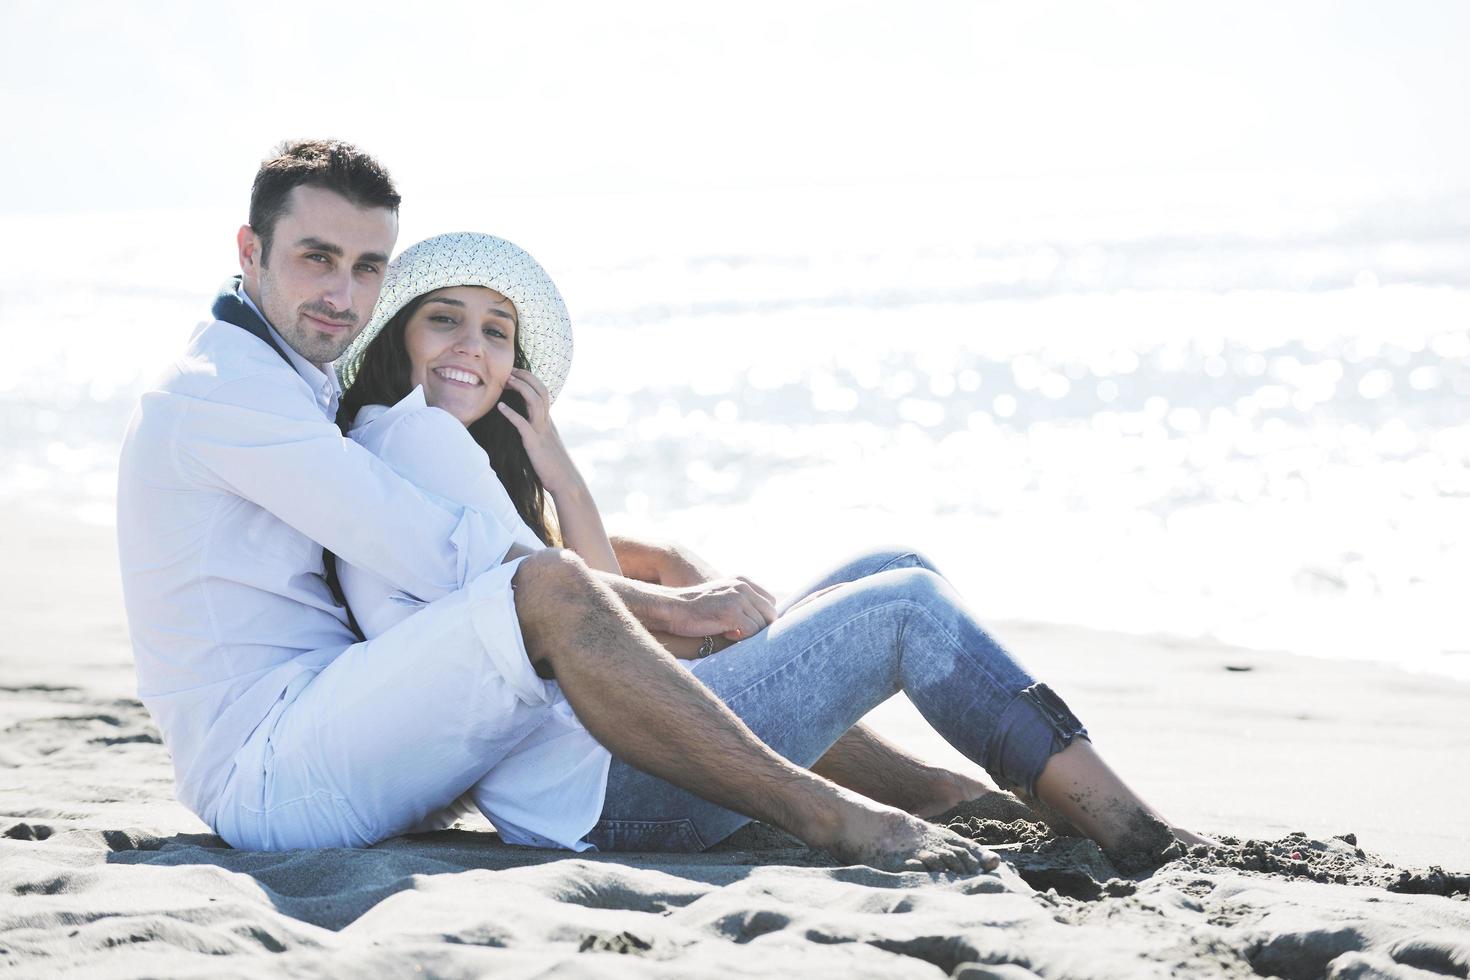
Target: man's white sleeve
x,y
434,450
259,439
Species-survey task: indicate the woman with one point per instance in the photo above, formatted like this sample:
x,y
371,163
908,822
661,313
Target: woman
x,y
451,385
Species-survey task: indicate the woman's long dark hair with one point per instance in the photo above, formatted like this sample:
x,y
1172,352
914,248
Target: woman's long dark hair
x,y
382,378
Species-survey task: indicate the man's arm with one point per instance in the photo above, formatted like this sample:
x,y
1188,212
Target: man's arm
x,y
245,440
734,607
660,562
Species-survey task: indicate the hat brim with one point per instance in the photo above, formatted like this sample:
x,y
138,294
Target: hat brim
x,y
543,327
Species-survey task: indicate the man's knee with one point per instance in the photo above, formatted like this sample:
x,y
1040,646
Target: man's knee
x,y
566,611
551,572
554,592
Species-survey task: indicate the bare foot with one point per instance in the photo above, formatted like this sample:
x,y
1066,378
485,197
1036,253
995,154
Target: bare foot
x,y
1145,843
891,840
947,790
1190,838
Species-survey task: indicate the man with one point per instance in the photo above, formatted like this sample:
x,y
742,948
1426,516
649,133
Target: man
x,y
233,478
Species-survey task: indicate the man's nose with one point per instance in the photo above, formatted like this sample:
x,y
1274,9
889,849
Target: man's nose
x,y
339,290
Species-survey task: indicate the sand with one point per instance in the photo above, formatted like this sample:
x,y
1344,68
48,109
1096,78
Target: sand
x,y
1336,788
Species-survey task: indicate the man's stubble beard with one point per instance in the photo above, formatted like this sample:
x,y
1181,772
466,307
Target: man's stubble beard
x,y
303,338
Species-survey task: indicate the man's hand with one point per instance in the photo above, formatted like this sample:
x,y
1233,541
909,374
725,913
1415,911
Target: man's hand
x,y
735,608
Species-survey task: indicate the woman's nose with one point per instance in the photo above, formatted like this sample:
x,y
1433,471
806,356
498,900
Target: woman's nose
x,y
467,342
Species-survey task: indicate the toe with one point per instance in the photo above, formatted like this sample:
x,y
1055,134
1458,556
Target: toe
x,y
948,859
985,859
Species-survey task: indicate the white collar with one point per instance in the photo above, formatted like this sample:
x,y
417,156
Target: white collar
x,y
324,383
369,414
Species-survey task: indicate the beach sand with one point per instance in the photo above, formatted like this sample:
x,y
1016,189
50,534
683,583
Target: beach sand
x,y
102,873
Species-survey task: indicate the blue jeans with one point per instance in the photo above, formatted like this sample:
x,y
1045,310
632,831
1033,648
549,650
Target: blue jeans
x,y
894,625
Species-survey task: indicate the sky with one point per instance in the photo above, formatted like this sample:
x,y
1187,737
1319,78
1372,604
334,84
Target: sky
x,y
126,106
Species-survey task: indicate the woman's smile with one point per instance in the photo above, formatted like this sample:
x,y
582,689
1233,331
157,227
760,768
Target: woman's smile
x,y
459,376
461,349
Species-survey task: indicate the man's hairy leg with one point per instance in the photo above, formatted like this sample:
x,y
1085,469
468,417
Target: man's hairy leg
x,y
865,762
635,699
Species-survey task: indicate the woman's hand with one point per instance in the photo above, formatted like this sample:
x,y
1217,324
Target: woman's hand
x,y
576,511
549,456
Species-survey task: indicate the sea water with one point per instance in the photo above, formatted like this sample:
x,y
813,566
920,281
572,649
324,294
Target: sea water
x,y
1245,423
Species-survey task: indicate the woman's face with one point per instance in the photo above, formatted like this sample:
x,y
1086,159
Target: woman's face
x,y
461,347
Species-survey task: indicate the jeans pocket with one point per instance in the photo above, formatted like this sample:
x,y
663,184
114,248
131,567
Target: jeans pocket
x,y
237,825
320,819
309,817
678,836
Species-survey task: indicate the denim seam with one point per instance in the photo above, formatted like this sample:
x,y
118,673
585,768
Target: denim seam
x,y
865,614
898,558
956,644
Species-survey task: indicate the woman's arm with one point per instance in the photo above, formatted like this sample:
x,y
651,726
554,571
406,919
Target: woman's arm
x,y
581,525
576,511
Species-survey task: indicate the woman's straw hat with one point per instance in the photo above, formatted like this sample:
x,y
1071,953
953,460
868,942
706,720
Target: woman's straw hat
x,y
471,259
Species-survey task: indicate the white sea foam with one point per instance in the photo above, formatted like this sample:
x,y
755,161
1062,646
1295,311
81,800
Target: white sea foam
x,y
1255,431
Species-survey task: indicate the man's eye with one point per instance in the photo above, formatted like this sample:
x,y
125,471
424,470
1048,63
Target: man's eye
x,y
369,268
315,257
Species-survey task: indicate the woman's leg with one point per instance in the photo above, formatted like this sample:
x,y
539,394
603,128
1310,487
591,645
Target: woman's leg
x,y
806,679
860,566
862,760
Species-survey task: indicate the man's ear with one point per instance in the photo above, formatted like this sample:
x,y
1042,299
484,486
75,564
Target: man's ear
x,y
250,247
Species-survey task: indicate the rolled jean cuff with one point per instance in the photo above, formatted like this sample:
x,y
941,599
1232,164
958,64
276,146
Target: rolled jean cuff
x,y
1036,725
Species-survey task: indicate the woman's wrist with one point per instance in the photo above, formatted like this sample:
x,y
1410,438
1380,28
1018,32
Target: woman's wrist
x,y
569,490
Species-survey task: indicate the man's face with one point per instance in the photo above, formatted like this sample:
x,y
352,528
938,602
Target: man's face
x,y
319,284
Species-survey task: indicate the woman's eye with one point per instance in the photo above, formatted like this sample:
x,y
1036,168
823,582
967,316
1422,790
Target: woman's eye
x,y
443,319
494,332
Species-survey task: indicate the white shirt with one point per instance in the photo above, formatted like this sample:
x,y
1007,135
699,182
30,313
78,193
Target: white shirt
x,y
231,480
548,788
431,449
324,383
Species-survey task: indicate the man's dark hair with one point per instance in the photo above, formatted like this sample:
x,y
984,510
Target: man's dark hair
x,y
332,164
